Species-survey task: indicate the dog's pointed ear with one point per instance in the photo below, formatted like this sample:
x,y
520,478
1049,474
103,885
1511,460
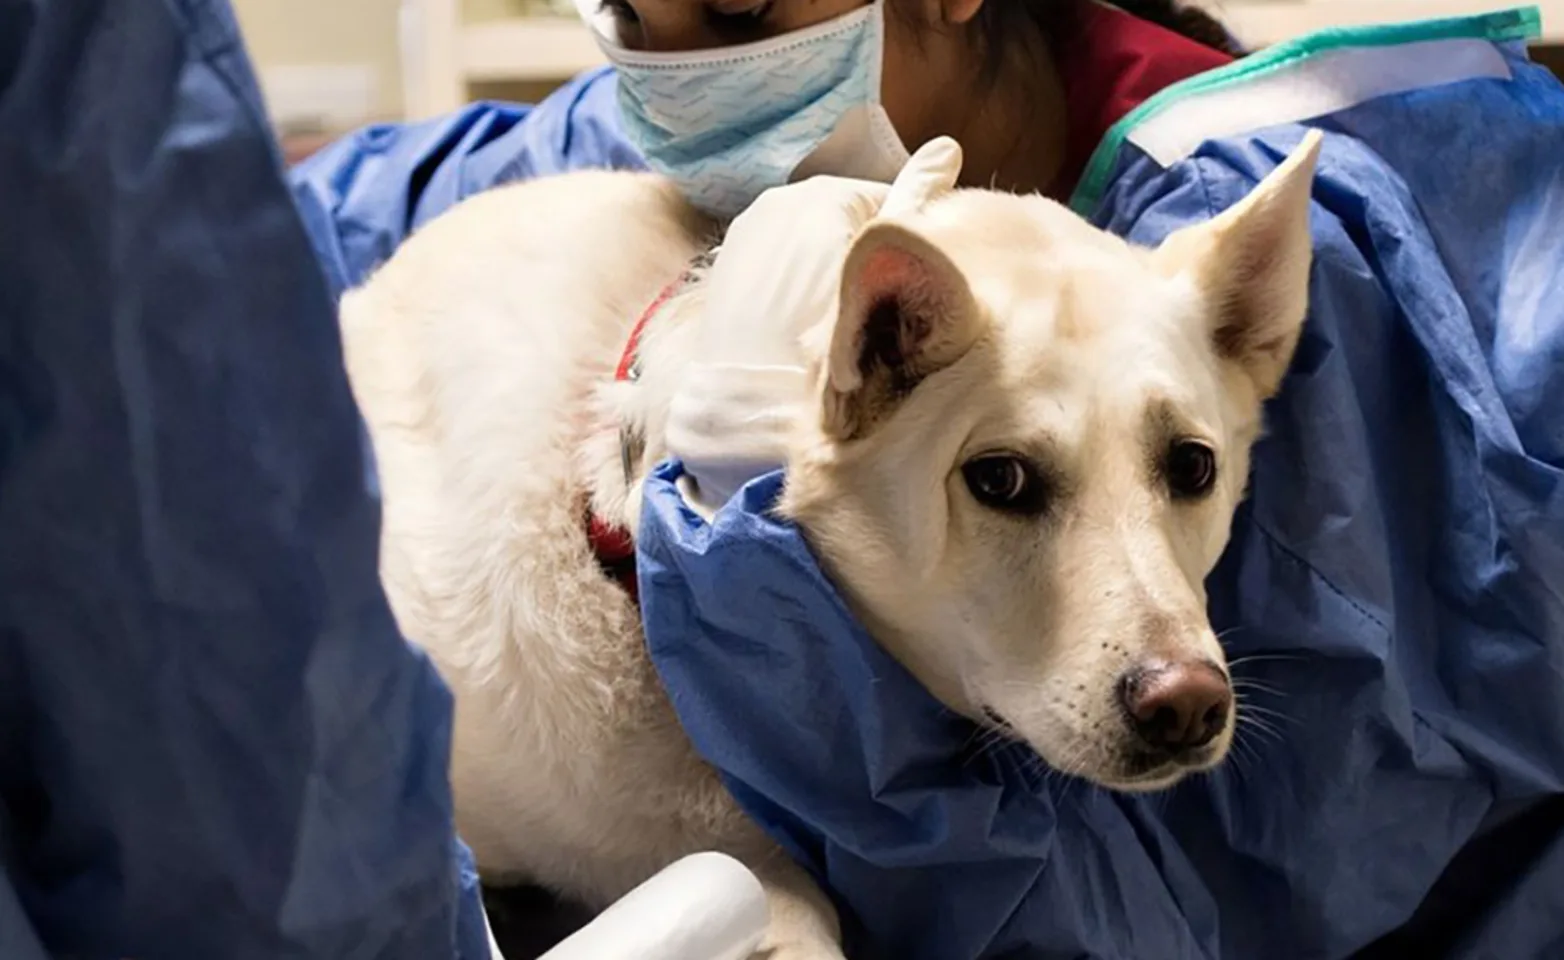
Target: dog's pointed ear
x,y
905,312
1251,265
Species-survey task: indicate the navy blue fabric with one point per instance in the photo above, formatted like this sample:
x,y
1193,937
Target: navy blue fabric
x,y
1393,594
213,741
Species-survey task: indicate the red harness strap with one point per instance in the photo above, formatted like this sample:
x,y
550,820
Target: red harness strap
x,y
614,546
627,360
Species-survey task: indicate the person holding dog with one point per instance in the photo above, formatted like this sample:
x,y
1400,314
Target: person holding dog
x,y
1386,597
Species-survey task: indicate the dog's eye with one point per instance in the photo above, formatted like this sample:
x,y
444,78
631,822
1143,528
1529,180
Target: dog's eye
x,y
1005,482
1190,469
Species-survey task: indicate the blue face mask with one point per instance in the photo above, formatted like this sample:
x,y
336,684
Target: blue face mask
x,y
727,124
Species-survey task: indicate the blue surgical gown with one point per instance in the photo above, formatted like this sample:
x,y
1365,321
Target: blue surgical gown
x,y
214,745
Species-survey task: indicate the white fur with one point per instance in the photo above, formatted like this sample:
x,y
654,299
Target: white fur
x,y
482,355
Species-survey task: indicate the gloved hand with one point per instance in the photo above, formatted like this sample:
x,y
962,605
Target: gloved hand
x,y
776,275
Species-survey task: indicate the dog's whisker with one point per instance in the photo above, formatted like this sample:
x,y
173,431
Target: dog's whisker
x,y
1250,707
1249,683
1074,765
1261,729
1260,715
1246,756
1256,750
984,742
1051,773
1263,658
1036,771
1266,734
1250,696
1245,704
1237,756
1255,710
1253,750
974,739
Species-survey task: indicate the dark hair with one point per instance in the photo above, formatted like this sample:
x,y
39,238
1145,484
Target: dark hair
x,y
1003,25
1192,22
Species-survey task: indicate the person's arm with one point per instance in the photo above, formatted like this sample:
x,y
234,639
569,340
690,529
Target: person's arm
x,y
363,194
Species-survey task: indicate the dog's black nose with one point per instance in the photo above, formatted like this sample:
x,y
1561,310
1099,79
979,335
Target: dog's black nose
x,y
1176,707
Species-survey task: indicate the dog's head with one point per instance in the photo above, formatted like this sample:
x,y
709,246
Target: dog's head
x,y
1031,440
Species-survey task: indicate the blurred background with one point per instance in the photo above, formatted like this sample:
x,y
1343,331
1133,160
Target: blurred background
x,y
328,68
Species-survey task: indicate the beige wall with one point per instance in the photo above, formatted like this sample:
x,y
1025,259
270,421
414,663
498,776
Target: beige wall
x,y
284,35
296,33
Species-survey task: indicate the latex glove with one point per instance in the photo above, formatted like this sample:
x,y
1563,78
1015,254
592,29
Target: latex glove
x,y
776,275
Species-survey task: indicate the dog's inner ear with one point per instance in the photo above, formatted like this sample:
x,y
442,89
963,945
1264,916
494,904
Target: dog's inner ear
x,y
1251,264
906,312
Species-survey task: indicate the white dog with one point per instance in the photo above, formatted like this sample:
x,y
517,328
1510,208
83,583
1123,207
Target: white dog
x,y
1028,443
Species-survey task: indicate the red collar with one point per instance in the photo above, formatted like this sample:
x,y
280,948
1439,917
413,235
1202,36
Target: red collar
x,y
614,546
1111,64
